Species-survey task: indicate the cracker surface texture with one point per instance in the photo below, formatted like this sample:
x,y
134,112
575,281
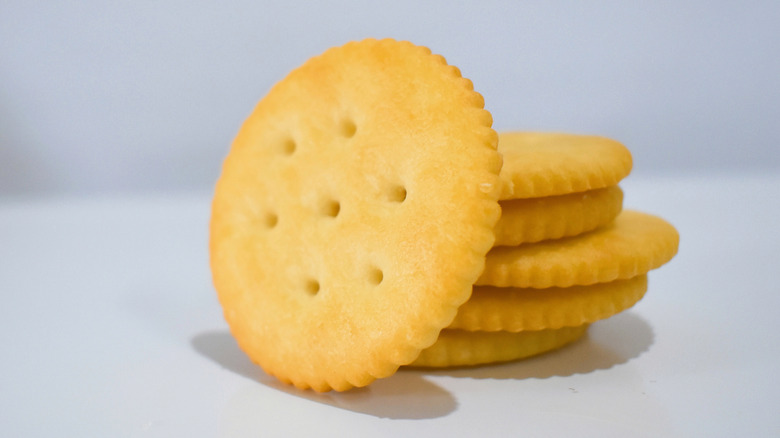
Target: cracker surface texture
x,y
353,214
515,309
632,245
552,217
548,164
465,348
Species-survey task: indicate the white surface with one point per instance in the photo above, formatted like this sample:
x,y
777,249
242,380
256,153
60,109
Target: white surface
x,y
110,327
100,96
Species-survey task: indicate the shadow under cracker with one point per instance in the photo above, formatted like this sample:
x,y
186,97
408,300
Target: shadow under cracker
x,y
409,395
402,396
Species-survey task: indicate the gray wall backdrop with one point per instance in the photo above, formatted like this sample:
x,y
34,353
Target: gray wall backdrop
x,y
100,97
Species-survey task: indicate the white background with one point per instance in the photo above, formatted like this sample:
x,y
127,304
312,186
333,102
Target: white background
x,y
124,96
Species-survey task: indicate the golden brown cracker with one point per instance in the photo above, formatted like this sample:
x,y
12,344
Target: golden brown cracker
x,y
540,164
516,309
632,245
465,348
552,217
353,214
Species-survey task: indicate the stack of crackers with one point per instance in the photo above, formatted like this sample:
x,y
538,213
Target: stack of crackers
x,y
566,254
368,217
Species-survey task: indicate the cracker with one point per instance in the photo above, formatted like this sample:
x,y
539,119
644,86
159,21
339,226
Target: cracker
x,y
549,164
515,309
464,348
632,245
353,214
552,217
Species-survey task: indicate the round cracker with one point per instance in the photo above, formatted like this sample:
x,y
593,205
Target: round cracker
x,y
552,217
353,214
548,164
516,309
632,245
463,348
